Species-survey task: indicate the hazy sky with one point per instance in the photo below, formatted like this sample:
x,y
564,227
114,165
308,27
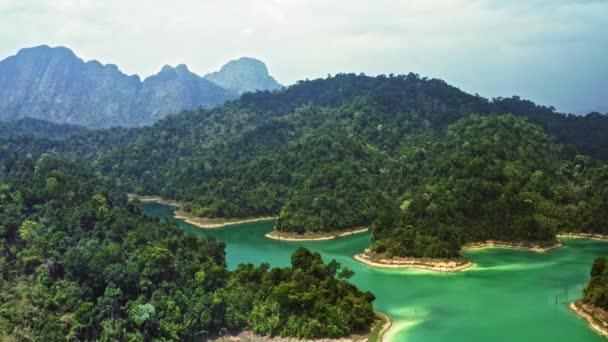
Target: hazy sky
x,y
554,52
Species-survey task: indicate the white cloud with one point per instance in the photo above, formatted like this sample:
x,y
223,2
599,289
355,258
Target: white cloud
x,y
545,50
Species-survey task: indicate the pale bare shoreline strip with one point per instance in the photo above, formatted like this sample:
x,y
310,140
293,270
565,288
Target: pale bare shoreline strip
x,y
386,326
421,264
586,236
579,309
200,222
507,245
209,223
444,265
314,237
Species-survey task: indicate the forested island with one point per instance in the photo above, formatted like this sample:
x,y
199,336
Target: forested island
x,y
430,168
79,262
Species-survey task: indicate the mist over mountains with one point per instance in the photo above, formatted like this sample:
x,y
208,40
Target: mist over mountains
x,y
52,83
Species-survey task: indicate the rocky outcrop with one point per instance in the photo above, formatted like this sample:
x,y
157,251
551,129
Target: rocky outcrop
x,y
243,75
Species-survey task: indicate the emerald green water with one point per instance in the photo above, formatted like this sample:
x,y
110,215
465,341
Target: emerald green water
x,y
509,296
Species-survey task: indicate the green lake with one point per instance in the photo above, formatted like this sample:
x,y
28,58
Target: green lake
x,y
508,296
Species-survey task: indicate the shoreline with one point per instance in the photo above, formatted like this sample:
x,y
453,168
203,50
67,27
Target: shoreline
x,y
509,245
388,323
445,265
587,236
586,312
199,222
421,264
214,223
274,235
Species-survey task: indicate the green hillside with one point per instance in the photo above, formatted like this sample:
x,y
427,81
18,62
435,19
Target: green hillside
x,y
332,154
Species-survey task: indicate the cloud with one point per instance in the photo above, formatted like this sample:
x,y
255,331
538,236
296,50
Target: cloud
x,y
547,50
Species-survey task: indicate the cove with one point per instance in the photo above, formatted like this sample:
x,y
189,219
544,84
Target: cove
x,y
509,295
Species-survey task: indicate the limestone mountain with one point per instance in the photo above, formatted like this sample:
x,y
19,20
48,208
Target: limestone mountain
x,y
175,89
54,84
243,75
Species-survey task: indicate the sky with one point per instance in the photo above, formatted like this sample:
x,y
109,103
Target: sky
x,y
554,52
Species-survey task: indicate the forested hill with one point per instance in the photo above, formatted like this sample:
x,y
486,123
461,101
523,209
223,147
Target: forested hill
x,y
77,262
492,178
398,98
330,154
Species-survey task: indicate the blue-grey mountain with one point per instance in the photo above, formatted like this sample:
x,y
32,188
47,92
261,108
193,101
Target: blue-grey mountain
x,y
53,84
243,75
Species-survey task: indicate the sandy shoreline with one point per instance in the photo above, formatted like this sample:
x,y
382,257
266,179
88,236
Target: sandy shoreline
x,y
444,265
213,223
587,236
387,325
596,318
423,264
508,245
312,237
200,222
251,337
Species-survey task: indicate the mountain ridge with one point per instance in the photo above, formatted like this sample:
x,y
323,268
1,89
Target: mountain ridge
x,y
54,84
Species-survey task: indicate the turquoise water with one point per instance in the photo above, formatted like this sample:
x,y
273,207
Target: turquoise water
x,y
508,296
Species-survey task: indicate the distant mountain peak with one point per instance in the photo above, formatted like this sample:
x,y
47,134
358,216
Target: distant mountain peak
x,y
166,68
247,63
245,74
41,50
53,84
180,69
